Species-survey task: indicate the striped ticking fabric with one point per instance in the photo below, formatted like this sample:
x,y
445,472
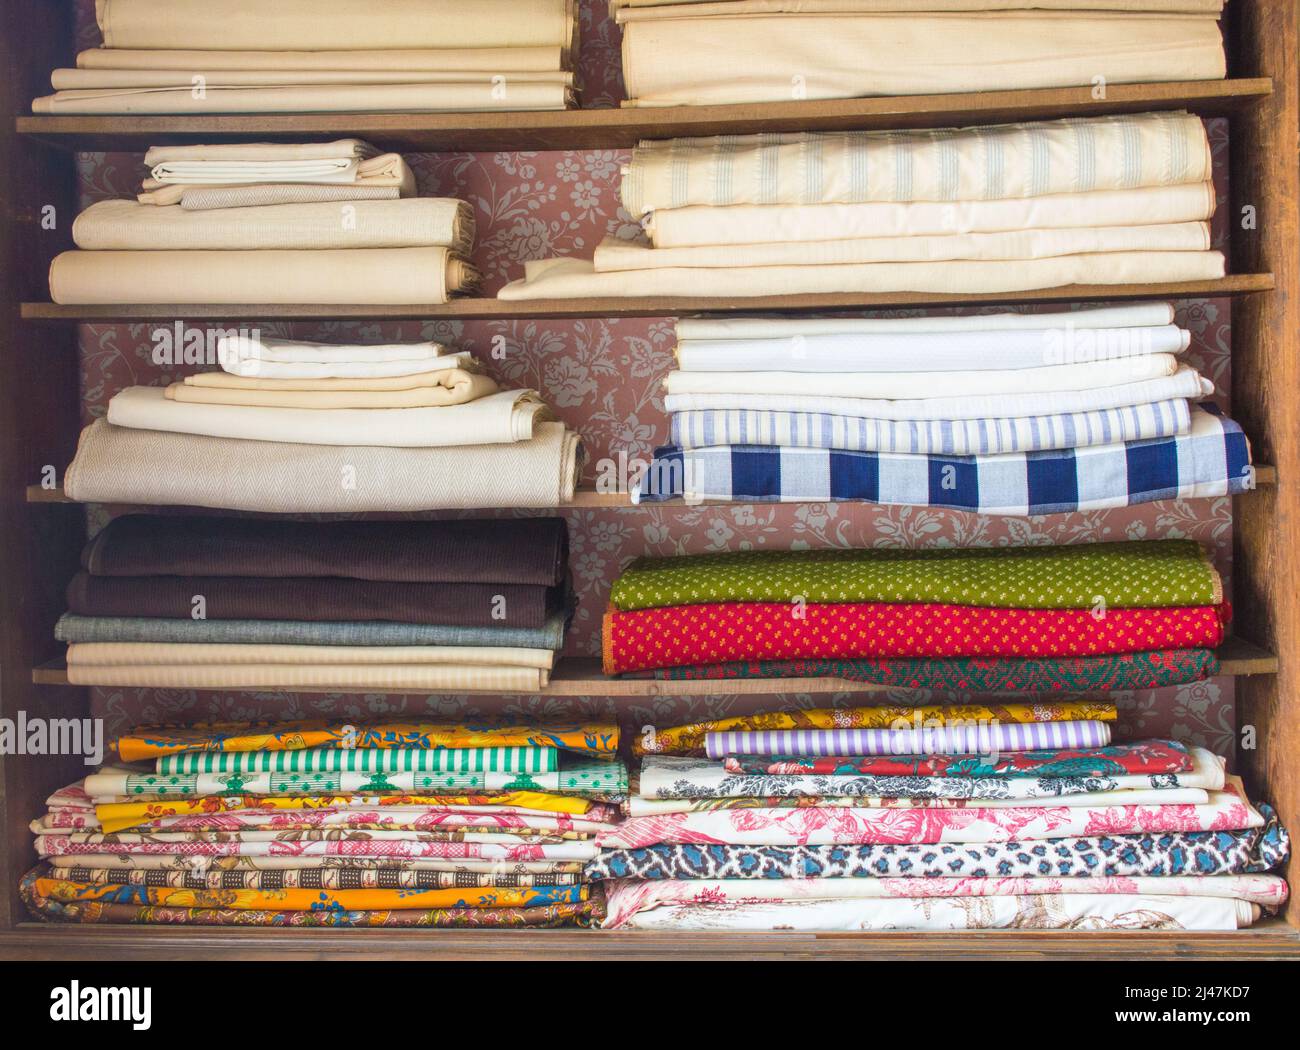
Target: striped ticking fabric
x,y
1213,459
927,740
367,760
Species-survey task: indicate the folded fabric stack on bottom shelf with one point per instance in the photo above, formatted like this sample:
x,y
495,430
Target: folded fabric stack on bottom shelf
x,y
331,824
291,426
779,50
833,820
270,223
1006,619
976,210
321,56
997,414
233,603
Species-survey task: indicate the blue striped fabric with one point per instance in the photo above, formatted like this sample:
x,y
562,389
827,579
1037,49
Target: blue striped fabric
x,y
1213,459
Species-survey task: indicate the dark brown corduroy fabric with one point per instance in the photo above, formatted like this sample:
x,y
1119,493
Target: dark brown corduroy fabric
x,y
298,598
518,551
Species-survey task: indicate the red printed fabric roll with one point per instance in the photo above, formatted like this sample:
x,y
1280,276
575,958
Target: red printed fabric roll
x,y
1146,757
676,635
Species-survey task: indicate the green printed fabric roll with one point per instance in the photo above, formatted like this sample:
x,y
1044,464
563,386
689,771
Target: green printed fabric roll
x,y
367,760
1144,574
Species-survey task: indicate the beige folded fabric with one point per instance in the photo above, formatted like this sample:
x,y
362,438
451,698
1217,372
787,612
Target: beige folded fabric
x,y
577,279
254,152
465,60
120,225
181,654
92,79
122,465
767,223
333,25
206,198
615,254
453,387
180,178
227,381
476,96
505,417
1191,7
902,386
1124,151
378,677
780,58
355,275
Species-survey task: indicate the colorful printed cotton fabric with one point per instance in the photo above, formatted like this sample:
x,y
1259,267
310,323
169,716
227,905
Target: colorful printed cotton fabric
x,y
525,760
1150,757
1141,574
1118,672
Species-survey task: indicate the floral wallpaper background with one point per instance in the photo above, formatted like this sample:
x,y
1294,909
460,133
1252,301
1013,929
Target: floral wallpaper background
x,y
602,376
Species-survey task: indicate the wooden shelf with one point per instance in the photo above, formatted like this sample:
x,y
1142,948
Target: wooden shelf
x,y
588,499
583,677
1270,939
620,128
561,309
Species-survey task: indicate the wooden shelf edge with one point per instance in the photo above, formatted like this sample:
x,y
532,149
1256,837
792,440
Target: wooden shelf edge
x,y
475,309
1269,939
624,127
581,677
587,499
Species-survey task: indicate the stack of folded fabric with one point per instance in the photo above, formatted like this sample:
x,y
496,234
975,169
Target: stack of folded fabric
x,y
1019,816
781,50
327,222
979,210
322,56
1000,619
292,426
216,603
1000,414
330,824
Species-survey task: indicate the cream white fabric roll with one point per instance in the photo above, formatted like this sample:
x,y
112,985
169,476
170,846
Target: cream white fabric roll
x,y
120,225
125,654
577,279
1130,315
643,8
781,58
929,352
365,275
911,385
467,96
333,25
508,416
768,223
376,677
94,79
415,60
1124,151
613,254
122,465
1185,383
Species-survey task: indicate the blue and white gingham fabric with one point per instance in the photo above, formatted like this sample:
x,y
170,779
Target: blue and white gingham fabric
x,y
1213,459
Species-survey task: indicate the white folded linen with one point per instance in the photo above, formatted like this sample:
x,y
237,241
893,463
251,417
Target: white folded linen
x,y
577,278
258,161
96,79
910,385
769,223
413,60
1185,383
1125,151
504,417
264,194
1128,315
1022,348
1013,245
266,358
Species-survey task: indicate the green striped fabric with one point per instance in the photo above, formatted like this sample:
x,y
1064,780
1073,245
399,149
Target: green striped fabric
x,y
366,760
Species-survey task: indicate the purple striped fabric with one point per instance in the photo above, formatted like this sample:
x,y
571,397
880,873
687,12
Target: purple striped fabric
x,y
929,740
